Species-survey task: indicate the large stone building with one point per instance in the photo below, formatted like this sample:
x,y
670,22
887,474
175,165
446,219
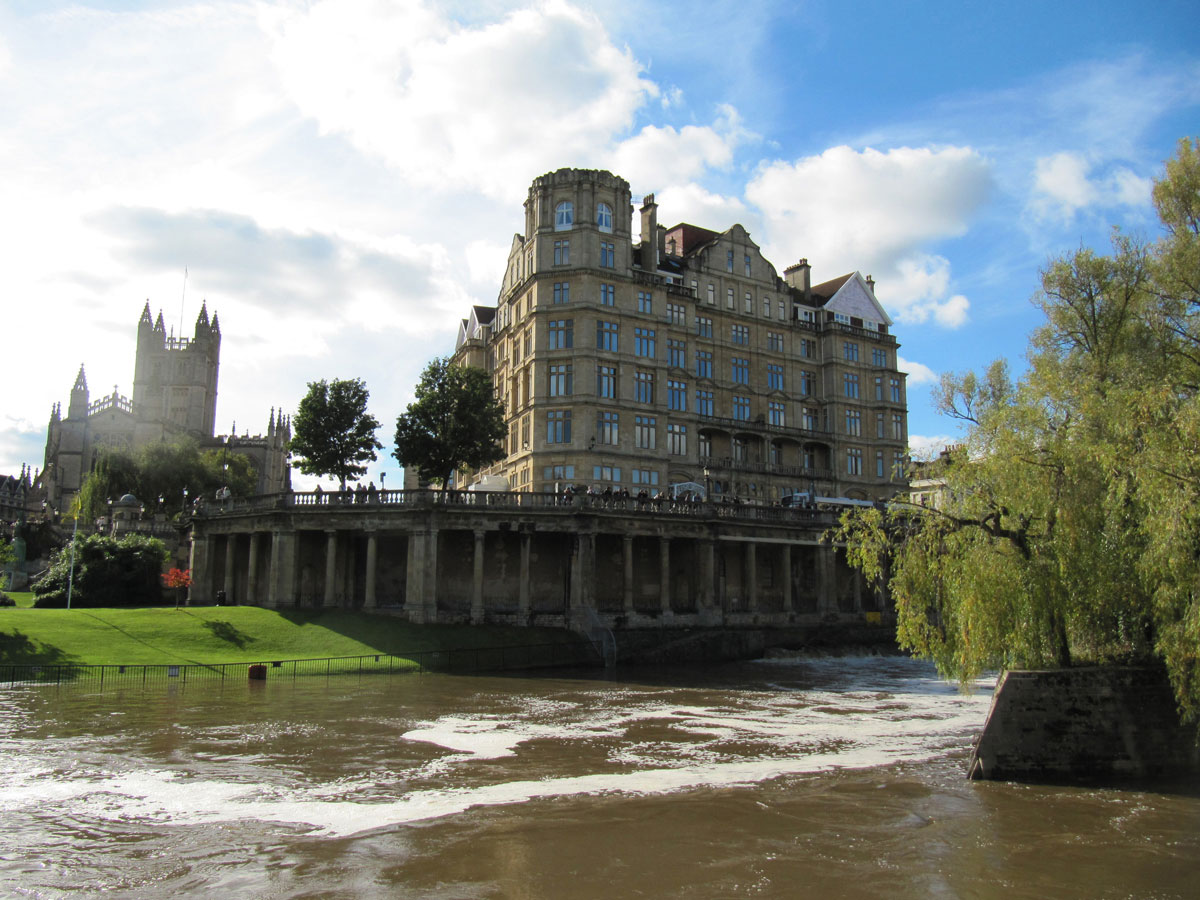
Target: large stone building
x,y
174,396
679,357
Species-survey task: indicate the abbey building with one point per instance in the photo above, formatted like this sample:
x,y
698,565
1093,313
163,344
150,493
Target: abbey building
x,y
174,396
679,358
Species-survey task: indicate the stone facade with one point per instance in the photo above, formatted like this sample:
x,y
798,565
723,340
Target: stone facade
x,y
681,358
174,396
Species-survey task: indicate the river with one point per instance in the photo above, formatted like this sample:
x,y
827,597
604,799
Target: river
x,y
820,778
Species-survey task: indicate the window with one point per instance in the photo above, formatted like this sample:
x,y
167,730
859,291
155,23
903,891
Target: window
x,y
810,419
558,426
644,476
705,445
645,302
676,314
704,403
746,260
808,348
897,426
879,425
879,464
739,370
606,473
740,334
645,429
676,353
643,342
562,292
879,387
782,310
643,387
774,376
562,334
607,430
528,342
728,260
775,413
741,408
562,253
897,465
606,335
850,385
766,307
564,215
808,458
850,351
606,382
677,395
712,295
704,364
607,295
704,326
853,423
558,473
604,217
608,255
775,341
739,449
853,461
677,440
729,298
878,357
807,383
841,318
562,381
895,385
748,304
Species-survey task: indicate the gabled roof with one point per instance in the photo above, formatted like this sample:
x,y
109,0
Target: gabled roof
x,y
851,295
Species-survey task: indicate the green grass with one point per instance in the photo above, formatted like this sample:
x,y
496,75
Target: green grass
x,y
219,634
23,599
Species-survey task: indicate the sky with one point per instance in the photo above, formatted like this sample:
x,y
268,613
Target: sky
x,y
340,180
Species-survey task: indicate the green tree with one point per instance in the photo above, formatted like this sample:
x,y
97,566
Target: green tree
x,y
1069,526
114,474
333,434
454,422
108,572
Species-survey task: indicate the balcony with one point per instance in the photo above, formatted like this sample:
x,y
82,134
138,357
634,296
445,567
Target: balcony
x,y
729,464
760,426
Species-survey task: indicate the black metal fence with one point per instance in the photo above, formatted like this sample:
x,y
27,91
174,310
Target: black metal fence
x,y
458,660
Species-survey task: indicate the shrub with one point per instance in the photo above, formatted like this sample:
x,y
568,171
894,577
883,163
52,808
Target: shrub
x,y
6,600
108,572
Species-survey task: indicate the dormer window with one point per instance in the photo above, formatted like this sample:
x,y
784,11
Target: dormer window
x,y
564,215
604,217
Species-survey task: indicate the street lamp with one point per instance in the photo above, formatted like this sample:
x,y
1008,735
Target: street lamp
x,y
382,482
707,480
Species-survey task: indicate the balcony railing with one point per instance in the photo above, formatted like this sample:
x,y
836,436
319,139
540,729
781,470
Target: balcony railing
x,y
729,463
761,425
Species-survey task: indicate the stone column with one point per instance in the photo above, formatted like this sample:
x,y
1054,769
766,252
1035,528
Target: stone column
x,y
627,558
282,577
200,563
523,600
706,595
664,575
857,581
477,612
751,577
421,593
330,568
252,572
826,580
370,600
787,578
230,558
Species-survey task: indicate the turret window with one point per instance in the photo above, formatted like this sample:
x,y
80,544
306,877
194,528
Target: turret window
x,y
564,215
604,217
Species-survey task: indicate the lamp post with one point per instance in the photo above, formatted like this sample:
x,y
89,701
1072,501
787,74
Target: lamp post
x,y
382,484
74,534
707,488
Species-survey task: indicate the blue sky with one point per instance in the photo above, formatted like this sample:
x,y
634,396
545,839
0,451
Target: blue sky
x,y
341,180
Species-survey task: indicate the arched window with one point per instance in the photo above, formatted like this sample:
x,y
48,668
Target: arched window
x,y
604,216
564,215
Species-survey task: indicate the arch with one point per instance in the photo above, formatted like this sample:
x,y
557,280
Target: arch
x,y
604,218
564,215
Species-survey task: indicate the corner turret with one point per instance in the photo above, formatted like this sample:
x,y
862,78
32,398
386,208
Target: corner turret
x,y
79,397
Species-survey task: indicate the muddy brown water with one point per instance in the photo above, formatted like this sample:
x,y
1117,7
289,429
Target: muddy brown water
x,y
784,778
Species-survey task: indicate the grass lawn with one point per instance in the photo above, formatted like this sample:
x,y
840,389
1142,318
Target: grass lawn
x,y
23,599
218,634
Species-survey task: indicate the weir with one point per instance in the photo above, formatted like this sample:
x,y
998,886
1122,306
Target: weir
x,y
529,559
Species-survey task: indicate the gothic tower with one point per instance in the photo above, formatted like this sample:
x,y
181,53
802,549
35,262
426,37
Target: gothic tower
x,y
175,378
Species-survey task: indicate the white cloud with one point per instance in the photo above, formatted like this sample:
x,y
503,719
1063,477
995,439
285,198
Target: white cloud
x,y
878,213
484,107
918,373
1063,185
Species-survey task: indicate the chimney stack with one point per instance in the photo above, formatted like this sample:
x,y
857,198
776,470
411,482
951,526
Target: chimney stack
x,y
871,285
799,277
650,236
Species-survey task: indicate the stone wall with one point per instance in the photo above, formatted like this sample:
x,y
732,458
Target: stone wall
x,y
1111,723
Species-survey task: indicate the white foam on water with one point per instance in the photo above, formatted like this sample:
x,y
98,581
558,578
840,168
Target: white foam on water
x,y
878,720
